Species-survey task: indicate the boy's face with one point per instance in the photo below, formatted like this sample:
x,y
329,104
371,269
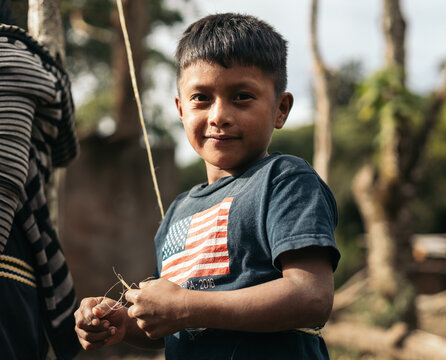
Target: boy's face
x,y
229,114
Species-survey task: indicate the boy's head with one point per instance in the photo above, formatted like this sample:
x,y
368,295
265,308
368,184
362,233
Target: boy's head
x,y
233,39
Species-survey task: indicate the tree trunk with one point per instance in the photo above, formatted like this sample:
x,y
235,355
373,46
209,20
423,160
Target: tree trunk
x,y
45,25
380,243
382,192
394,27
324,103
126,111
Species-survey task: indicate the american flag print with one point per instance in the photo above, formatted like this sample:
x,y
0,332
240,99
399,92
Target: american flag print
x,y
197,246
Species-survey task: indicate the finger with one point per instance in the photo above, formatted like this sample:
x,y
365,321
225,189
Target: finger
x,y
131,312
131,295
95,337
92,326
88,322
105,324
101,310
84,319
142,324
105,307
135,312
86,312
145,282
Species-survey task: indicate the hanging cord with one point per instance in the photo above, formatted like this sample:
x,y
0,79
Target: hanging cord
x,y
138,102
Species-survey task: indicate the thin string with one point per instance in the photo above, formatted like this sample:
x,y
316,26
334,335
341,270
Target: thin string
x,y
119,303
138,102
125,287
121,279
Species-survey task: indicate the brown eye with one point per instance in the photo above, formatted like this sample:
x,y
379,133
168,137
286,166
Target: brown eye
x,y
242,97
200,98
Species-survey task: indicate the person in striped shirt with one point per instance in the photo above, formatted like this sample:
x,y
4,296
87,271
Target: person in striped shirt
x,y
245,261
37,299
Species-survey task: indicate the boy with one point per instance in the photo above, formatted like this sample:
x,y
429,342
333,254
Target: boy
x,y
245,261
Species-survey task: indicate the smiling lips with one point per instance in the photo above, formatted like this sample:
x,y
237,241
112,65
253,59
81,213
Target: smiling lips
x,y
221,137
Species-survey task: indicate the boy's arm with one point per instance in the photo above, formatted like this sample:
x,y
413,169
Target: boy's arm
x,y
302,298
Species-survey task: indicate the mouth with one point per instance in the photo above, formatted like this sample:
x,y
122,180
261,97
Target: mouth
x,y
221,137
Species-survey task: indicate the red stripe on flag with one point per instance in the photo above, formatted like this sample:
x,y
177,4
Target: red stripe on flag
x,y
224,221
207,250
203,261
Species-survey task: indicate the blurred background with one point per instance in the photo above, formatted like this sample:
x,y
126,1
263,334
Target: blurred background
x,y
369,114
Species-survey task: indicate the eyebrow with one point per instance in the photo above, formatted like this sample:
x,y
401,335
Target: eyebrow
x,y
250,84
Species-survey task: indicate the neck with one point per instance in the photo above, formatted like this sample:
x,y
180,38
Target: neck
x,y
215,173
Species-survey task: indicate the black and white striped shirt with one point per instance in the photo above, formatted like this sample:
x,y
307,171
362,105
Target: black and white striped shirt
x,y
36,134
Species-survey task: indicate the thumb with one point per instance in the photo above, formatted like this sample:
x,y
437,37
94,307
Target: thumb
x,y
104,308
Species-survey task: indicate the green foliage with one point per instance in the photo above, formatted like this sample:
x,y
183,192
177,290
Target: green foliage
x,y
429,207
383,98
343,82
346,81
297,141
91,54
351,146
192,174
385,106
380,89
83,50
89,114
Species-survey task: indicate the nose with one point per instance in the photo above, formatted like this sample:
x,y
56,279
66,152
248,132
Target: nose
x,y
220,114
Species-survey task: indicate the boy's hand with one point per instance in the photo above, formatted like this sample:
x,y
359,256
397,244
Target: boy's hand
x,y
159,307
97,324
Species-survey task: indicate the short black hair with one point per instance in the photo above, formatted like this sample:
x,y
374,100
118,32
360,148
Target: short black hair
x,y
229,39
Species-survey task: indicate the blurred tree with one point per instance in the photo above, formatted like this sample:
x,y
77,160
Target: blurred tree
x,y
45,25
429,207
95,42
93,48
126,112
330,89
324,89
384,187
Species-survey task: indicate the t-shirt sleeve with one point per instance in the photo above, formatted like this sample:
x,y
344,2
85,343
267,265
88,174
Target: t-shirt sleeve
x,y
301,213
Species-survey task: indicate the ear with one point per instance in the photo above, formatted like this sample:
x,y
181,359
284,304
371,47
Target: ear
x,y
179,108
284,104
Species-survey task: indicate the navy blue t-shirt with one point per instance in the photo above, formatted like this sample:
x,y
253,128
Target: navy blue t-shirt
x,y
228,235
